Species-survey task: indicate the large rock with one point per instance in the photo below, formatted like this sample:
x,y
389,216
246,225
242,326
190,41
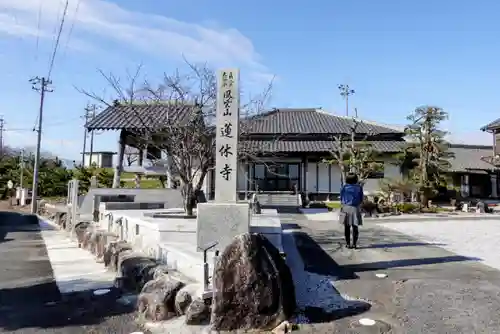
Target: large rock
x,y
83,231
185,296
112,253
131,268
156,301
253,286
198,312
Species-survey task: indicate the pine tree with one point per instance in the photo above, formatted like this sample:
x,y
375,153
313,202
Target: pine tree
x,y
427,143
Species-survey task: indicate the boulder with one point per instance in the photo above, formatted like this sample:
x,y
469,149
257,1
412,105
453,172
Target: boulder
x,y
185,296
83,233
253,286
156,301
130,268
113,252
154,272
198,312
480,207
62,220
104,239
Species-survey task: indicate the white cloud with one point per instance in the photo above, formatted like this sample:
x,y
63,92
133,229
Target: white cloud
x,y
153,34
21,139
471,138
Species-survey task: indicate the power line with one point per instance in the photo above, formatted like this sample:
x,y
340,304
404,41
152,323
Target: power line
x,y
58,38
40,85
39,19
72,26
54,53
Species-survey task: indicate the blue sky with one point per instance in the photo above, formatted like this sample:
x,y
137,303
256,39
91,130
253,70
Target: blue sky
x,y
397,55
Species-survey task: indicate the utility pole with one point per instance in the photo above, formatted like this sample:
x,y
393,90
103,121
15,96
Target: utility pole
x,y
89,115
41,86
2,126
345,92
22,169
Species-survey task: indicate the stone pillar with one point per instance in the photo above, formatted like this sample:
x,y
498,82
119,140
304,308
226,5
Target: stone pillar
x,y
464,186
119,163
137,180
494,185
227,122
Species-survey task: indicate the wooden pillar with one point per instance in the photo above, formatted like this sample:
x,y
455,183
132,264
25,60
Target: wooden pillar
x,y
304,173
119,163
141,157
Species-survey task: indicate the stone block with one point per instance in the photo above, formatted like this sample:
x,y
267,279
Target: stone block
x,y
221,222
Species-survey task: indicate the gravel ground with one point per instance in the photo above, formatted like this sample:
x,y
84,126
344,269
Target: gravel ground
x,y
30,301
428,289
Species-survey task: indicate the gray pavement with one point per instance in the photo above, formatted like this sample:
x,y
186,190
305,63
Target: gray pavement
x,y
428,289
30,301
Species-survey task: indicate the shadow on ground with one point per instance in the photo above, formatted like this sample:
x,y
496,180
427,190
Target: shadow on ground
x,y
315,255
317,299
20,310
29,297
400,244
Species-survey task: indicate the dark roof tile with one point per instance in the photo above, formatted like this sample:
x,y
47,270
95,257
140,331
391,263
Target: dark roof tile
x,y
284,146
492,126
140,116
468,158
309,121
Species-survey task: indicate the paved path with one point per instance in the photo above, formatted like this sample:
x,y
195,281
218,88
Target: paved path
x,y
74,269
428,289
30,301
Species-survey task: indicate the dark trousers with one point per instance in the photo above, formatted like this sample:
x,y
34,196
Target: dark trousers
x,y
347,233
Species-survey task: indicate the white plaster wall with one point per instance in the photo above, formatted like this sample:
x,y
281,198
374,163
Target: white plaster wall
x,y
323,178
242,176
336,179
311,177
391,172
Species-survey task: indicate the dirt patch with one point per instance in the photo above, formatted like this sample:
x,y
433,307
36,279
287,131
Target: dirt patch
x,y
9,206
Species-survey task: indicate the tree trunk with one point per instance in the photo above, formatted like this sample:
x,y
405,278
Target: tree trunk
x,y
188,198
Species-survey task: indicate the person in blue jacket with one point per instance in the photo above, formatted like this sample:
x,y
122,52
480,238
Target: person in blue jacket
x,y
351,197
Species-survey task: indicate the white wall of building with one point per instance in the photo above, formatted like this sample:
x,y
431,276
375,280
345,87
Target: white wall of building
x,y
325,178
101,160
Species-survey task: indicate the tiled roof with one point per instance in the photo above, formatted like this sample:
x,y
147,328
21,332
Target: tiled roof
x,y
310,121
469,158
278,121
284,146
492,126
140,116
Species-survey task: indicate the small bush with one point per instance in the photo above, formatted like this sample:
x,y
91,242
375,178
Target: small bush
x,y
432,209
407,207
317,205
333,205
368,206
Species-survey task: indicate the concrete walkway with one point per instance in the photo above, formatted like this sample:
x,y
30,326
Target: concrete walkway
x,y
428,289
30,301
75,269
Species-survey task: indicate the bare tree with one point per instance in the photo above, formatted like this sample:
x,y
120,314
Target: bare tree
x,y
190,142
131,155
354,155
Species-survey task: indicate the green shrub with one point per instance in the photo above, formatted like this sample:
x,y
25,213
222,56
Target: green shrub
x,y
317,205
368,206
407,207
